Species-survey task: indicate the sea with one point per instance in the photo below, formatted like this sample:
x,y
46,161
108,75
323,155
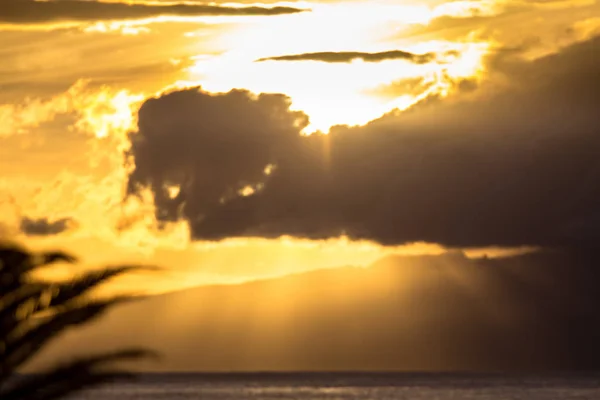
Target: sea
x,y
350,386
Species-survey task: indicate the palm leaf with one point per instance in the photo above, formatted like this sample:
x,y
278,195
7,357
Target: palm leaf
x,y
22,346
74,376
16,263
52,257
70,291
32,313
44,296
10,301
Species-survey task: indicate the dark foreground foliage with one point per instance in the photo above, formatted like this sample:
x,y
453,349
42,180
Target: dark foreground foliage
x,y
33,312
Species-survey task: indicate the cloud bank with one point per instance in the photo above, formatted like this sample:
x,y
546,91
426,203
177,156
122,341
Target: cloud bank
x,y
348,56
31,11
517,167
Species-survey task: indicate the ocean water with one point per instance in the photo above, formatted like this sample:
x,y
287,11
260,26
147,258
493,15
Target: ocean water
x,y
349,387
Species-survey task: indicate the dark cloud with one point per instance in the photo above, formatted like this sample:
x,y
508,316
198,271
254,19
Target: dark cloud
x,y
348,56
213,146
515,167
31,11
44,226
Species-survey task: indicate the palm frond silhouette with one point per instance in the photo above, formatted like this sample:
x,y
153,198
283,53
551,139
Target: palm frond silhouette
x,y
33,312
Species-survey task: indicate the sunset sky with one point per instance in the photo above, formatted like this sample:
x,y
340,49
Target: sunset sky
x,y
229,142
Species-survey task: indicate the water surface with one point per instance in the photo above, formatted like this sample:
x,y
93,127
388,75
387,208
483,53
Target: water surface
x,y
350,387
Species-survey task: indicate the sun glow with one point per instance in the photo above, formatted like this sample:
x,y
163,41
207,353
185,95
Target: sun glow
x,y
341,92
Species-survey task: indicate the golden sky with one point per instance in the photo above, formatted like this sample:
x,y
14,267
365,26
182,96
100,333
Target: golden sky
x,y
77,172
